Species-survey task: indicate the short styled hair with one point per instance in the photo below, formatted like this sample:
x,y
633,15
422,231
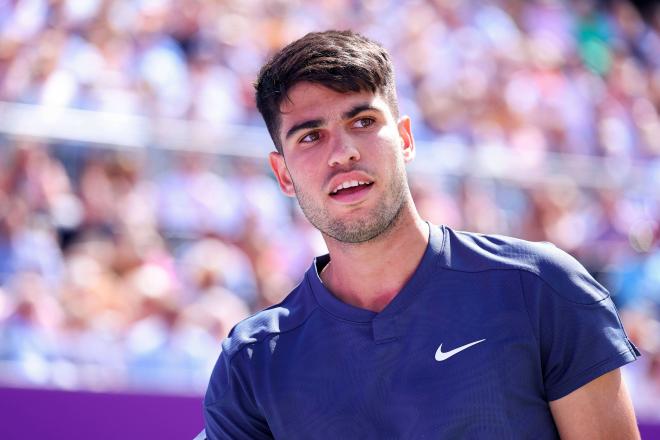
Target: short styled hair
x,y
343,61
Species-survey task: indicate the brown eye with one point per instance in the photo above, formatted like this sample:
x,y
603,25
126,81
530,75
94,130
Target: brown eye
x,y
310,137
363,122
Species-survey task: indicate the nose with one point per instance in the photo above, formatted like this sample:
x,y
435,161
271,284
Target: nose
x,y
343,151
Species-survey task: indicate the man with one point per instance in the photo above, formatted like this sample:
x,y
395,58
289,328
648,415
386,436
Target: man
x,y
406,330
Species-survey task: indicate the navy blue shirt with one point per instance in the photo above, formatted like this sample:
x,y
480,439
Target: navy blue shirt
x,y
485,333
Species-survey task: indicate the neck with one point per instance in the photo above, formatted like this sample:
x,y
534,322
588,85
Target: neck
x,y
370,274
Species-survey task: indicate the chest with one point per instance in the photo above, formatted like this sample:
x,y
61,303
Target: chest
x,y
461,368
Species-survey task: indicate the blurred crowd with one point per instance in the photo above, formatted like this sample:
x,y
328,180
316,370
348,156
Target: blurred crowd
x,y
113,277
125,269
546,75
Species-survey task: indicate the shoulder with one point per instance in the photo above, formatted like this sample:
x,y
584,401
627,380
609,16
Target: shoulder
x,y
538,262
472,251
289,314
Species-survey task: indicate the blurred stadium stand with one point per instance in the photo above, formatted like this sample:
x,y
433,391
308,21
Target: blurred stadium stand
x,y
138,219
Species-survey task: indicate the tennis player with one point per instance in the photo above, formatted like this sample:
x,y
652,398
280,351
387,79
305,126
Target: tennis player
x,y
406,330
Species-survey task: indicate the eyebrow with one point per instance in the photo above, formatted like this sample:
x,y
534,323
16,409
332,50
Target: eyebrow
x,y
312,123
316,123
359,109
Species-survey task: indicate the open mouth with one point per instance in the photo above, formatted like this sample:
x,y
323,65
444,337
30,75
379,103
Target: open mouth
x,y
351,190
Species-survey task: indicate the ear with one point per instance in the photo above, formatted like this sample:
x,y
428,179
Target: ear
x,y
281,172
407,140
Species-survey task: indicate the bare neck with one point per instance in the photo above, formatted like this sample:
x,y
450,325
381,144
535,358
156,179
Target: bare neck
x,y
369,275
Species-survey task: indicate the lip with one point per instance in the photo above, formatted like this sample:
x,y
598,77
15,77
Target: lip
x,y
347,177
354,196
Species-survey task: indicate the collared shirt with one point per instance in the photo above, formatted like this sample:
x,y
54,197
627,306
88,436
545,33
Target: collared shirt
x,y
486,332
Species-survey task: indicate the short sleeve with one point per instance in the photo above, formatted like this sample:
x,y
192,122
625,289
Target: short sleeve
x,y
578,330
230,411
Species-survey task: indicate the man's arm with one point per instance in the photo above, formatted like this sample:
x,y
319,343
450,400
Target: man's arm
x,y
601,409
230,408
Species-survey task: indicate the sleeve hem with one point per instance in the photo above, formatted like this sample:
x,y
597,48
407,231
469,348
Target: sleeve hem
x,y
587,376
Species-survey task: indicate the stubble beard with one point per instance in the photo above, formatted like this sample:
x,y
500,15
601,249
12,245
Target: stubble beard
x,y
381,219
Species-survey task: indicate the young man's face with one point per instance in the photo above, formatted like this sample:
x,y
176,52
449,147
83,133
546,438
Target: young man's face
x,y
344,159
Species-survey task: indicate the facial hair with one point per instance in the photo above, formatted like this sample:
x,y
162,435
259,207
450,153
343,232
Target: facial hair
x,y
382,218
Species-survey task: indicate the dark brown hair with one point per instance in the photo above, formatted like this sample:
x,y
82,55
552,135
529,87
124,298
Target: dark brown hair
x,y
340,60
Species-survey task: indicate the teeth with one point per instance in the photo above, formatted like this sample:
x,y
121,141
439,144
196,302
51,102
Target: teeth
x,y
349,184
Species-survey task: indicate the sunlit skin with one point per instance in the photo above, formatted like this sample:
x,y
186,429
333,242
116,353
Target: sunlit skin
x,y
375,236
370,230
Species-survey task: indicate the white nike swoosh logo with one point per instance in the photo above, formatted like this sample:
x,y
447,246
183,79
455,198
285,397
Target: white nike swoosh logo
x,y
440,356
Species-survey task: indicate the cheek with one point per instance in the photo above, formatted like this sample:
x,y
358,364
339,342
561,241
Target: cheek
x,y
389,133
386,152
303,174
388,140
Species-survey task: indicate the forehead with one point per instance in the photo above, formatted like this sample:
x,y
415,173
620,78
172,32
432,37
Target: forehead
x,y
314,101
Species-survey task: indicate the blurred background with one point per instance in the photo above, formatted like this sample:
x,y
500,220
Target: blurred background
x,y
139,220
